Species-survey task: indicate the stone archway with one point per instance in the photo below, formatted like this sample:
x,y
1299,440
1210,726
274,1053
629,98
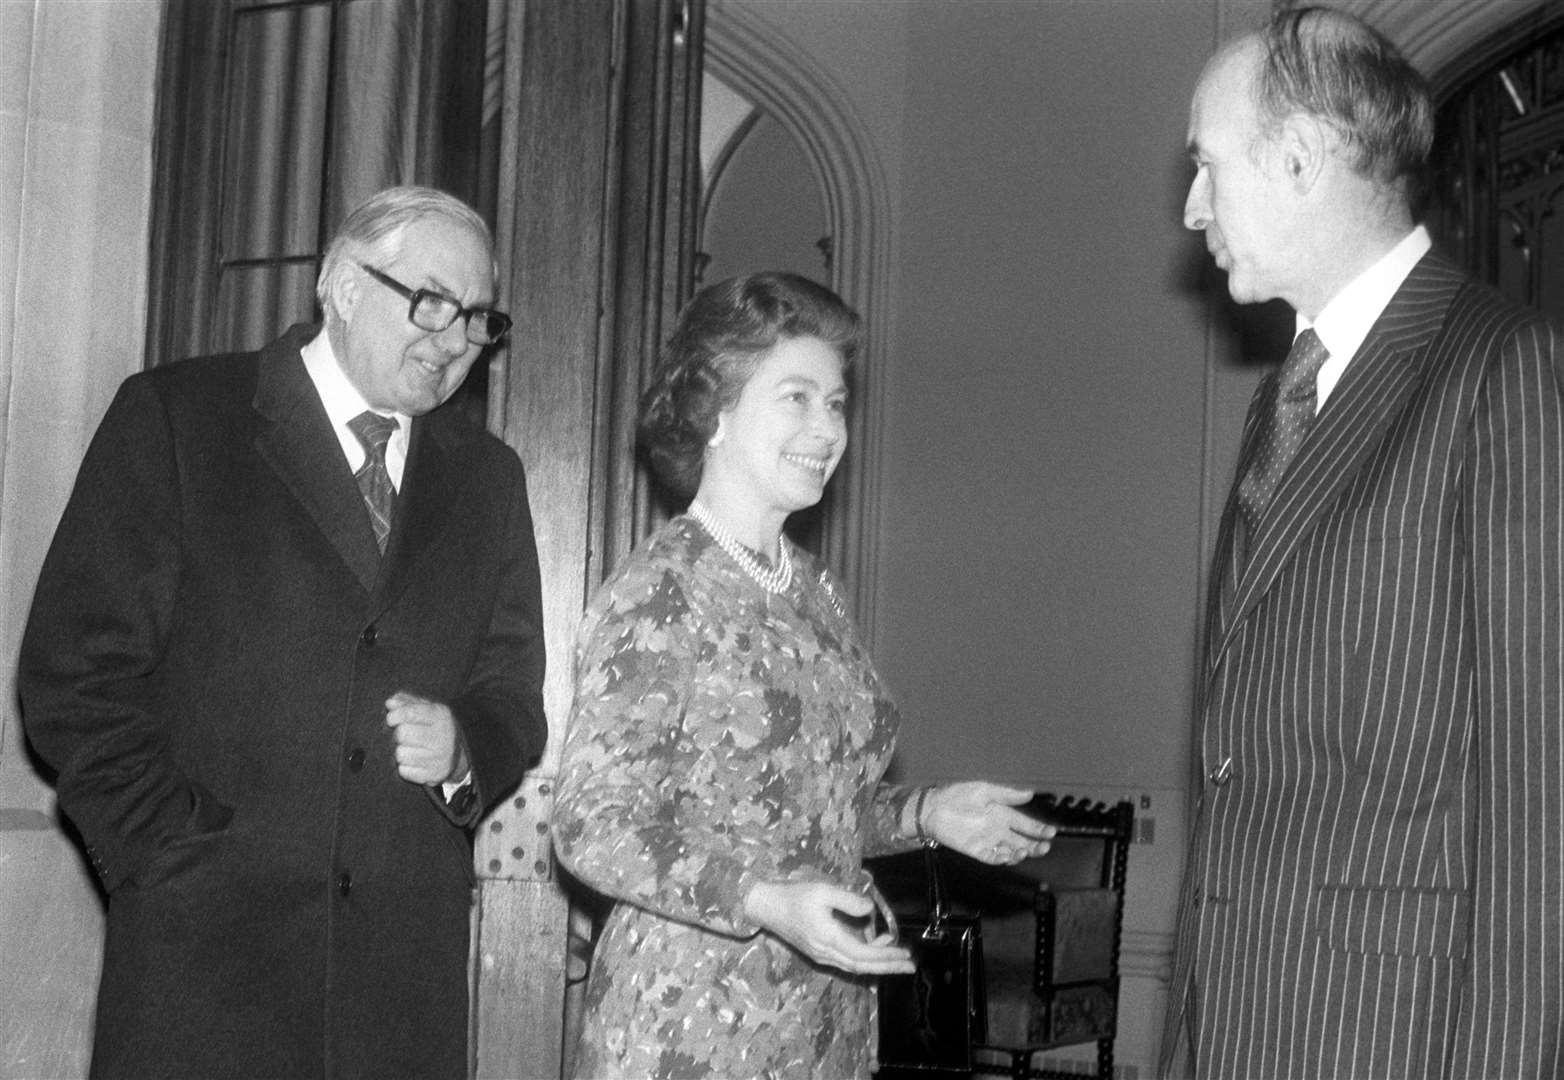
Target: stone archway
x,y
762,65
1435,34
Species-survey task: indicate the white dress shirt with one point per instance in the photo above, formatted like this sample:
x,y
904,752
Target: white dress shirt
x,y
343,402
1351,313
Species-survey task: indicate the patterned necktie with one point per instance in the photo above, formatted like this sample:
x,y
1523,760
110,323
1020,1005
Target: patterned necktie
x,y
1283,430
374,482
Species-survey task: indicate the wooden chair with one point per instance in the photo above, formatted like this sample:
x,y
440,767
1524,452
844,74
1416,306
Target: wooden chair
x,y
1050,930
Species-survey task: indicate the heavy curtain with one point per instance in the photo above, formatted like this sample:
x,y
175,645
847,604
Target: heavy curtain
x,y
275,119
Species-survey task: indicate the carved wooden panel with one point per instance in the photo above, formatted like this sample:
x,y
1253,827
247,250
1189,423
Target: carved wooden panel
x,y
1499,166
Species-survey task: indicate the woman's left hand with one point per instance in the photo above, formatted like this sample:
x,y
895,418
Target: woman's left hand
x,y
980,819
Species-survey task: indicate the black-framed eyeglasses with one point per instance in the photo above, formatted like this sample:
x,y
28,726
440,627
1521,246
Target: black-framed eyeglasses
x,y
435,312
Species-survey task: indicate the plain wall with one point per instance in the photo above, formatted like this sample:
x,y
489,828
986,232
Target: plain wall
x,y
1043,457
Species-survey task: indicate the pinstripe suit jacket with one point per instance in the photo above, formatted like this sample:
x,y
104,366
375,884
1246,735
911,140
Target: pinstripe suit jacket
x,y
1374,881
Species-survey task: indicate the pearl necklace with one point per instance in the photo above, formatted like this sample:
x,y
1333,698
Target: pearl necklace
x,y
774,580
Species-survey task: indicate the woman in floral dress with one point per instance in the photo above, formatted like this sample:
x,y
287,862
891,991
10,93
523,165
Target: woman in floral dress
x,y
721,778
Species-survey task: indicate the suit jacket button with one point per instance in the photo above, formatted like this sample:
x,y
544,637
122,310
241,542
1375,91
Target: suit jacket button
x,y
1222,773
344,883
356,759
370,635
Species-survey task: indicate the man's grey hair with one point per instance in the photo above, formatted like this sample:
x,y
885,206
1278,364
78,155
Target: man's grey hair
x,y
372,232
1329,65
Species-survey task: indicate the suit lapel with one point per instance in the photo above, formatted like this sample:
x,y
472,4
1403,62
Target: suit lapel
x,y
297,442
1232,538
1374,390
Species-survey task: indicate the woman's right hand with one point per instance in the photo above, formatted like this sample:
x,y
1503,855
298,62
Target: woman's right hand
x,y
822,920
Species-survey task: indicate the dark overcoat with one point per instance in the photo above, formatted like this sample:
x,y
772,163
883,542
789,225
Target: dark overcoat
x,y
207,661
1374,886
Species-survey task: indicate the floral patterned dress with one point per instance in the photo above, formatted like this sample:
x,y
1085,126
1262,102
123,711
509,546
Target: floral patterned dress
x,y
721,735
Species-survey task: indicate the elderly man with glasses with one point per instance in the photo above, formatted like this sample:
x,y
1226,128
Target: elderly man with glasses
x,y
286,649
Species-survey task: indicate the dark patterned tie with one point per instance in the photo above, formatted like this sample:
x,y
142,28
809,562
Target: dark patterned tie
x,y
374,431
1284,429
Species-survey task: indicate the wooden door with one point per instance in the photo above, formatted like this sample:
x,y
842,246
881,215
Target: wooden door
x,y
596,228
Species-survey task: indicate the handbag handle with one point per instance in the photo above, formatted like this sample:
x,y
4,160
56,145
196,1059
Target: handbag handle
x,y
938,911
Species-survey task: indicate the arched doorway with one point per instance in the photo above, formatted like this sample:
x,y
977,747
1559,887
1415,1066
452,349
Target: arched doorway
x,y
1499,179
785,87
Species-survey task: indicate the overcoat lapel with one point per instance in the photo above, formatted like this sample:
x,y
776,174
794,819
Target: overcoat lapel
x,y
296,440
1375,389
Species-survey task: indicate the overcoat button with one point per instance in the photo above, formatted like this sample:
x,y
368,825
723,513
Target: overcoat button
x,y
370,635
356,759
344,883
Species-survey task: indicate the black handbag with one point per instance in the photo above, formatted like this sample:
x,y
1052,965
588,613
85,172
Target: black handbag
x,y
929,1020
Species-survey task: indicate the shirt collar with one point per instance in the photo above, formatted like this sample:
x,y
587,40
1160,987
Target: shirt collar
x,y
340,397
1349,316
343,402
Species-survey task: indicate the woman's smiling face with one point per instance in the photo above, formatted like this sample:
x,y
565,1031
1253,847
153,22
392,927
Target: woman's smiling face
x,y
784,437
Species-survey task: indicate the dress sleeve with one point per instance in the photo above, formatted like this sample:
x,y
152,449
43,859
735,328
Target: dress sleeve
x,y
882,824
620,825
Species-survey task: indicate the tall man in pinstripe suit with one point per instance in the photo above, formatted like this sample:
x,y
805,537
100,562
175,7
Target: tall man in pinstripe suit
x,y
1376,873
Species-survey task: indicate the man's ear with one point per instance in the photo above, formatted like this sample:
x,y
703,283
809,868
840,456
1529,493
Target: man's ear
x,y
343,290
1306,143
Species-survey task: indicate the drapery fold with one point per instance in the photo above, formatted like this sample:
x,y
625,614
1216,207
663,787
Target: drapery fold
x,y
277,120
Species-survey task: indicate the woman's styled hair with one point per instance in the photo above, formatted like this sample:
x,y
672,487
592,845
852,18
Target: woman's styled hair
x,y
372,231
1329,65
714,349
